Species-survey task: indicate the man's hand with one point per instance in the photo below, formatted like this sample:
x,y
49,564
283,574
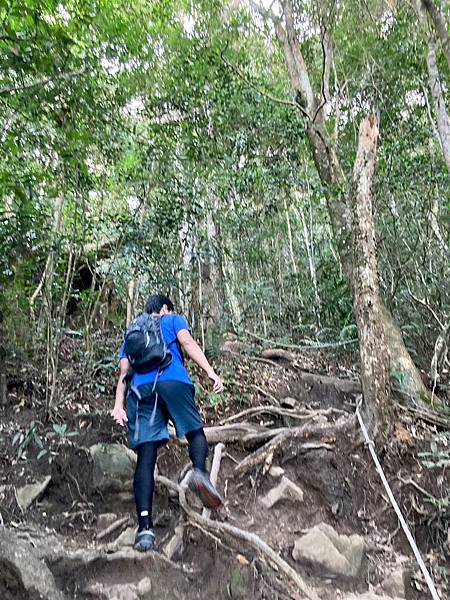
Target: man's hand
x,y
218,385
119,415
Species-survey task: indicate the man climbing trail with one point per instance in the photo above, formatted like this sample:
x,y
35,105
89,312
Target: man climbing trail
x,y
156,386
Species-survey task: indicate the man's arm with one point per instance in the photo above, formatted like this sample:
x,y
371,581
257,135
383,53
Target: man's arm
x,y
118,413
194,351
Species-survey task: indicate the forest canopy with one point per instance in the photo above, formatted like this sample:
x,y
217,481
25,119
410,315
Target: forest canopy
x,y
207,149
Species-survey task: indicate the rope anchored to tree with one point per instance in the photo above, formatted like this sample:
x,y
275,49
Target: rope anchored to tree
x,y
396,507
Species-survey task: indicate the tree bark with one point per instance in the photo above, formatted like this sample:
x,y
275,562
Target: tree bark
x,y
335,182
440,26
424,8
442,118
373,352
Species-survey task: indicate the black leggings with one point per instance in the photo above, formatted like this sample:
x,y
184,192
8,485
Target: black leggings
x,y
144,475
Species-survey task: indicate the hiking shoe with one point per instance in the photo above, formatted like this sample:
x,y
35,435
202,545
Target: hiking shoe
x,y
144,540
202,486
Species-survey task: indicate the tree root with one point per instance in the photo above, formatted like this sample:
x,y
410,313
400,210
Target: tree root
x,y
218,450
250,538
301,415
320,428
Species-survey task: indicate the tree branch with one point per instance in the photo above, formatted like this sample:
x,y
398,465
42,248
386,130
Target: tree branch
x,y
39,82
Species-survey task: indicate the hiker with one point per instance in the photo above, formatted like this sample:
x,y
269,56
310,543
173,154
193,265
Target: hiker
x,y
156,394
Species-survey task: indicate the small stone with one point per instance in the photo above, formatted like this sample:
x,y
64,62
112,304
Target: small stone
x,y
394,584
27,494
126,538
175,546
286,489
276,471
144,587
330,552
288,402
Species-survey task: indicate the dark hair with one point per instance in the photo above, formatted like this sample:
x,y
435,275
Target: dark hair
x,y
155,303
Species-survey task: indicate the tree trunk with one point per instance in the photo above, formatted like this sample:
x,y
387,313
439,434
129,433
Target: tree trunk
x,y
213,298
440,26
442,118
334,180
425,7
46,280
374,356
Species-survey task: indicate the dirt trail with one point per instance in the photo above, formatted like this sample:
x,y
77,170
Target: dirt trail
x,y
294,475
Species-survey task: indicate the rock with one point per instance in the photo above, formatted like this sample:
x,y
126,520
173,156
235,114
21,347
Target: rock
x,y
113,466
122,591
144,587
126,538
288,403
286,489
175,546
22,573
334,554
231,347
105,520
394,584
27,494
276,471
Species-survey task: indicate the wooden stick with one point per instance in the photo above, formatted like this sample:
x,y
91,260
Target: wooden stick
x,y
250,538
206,513
116,525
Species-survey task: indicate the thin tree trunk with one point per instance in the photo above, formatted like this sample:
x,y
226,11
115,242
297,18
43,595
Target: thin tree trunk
x,y
333,177
47,275
442,118
424,8
374,356
440,26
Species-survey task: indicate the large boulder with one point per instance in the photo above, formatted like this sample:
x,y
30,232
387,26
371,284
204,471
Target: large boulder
x,y
22,573
332,554
113,466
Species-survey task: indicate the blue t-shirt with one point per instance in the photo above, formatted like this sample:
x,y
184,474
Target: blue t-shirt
x,y
176,371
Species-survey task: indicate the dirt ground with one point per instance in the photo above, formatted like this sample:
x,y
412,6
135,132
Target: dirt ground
x,y
341,485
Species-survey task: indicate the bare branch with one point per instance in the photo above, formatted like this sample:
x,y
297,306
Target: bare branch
x,y
13,89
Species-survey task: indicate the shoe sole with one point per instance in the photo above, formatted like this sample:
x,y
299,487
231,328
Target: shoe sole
x,y
208,498
144,545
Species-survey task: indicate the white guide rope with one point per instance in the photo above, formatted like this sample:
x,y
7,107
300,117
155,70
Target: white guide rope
x,y
396,507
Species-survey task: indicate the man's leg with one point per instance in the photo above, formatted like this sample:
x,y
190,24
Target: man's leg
x,y
144,486
200,482
178,400
198,448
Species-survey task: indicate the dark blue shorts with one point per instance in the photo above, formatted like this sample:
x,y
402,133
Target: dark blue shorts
x,y
176,401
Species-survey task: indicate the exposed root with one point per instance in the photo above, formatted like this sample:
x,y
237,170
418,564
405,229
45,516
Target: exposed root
x,y
300,415
320,428
116,525
250,538
218,450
